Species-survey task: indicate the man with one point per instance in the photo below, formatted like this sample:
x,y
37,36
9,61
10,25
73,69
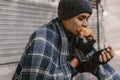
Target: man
x,y
47,55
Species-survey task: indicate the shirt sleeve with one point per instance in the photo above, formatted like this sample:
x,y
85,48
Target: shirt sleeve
x,y
107,72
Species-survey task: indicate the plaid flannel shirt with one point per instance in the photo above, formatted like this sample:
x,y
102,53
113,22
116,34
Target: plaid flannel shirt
x,y
46,57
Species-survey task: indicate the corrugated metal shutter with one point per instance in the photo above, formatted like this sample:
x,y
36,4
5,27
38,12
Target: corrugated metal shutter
x,y
17,21
93,25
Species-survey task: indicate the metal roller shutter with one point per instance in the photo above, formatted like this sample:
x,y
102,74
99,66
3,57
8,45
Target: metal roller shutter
x,y
93,25
17,21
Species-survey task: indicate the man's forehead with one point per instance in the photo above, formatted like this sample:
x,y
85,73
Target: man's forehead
x,y
84,15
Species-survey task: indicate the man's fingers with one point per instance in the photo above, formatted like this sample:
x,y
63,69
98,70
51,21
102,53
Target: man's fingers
x,y
110,51
91,37
104,58
110,47
100,58
108,55
80,34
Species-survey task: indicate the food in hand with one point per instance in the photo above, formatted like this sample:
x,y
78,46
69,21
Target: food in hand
x,y
87,33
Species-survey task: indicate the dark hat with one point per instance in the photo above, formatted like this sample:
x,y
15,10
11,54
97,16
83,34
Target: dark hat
x,y
70,8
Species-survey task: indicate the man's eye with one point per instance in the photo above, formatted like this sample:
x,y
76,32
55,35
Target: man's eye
x,y
80,19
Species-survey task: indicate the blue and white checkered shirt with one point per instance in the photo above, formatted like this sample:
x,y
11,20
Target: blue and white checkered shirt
x,y
46,57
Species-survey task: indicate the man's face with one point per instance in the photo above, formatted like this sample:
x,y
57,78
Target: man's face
x,y
76,22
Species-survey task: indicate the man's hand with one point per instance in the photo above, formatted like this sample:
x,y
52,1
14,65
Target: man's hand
x,y
85,47
103,56
85,33
106,55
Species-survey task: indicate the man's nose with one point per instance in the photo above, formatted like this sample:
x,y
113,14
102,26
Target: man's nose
x,y
85,23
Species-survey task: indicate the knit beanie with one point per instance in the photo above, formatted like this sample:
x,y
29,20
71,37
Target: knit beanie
x,y
70,8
